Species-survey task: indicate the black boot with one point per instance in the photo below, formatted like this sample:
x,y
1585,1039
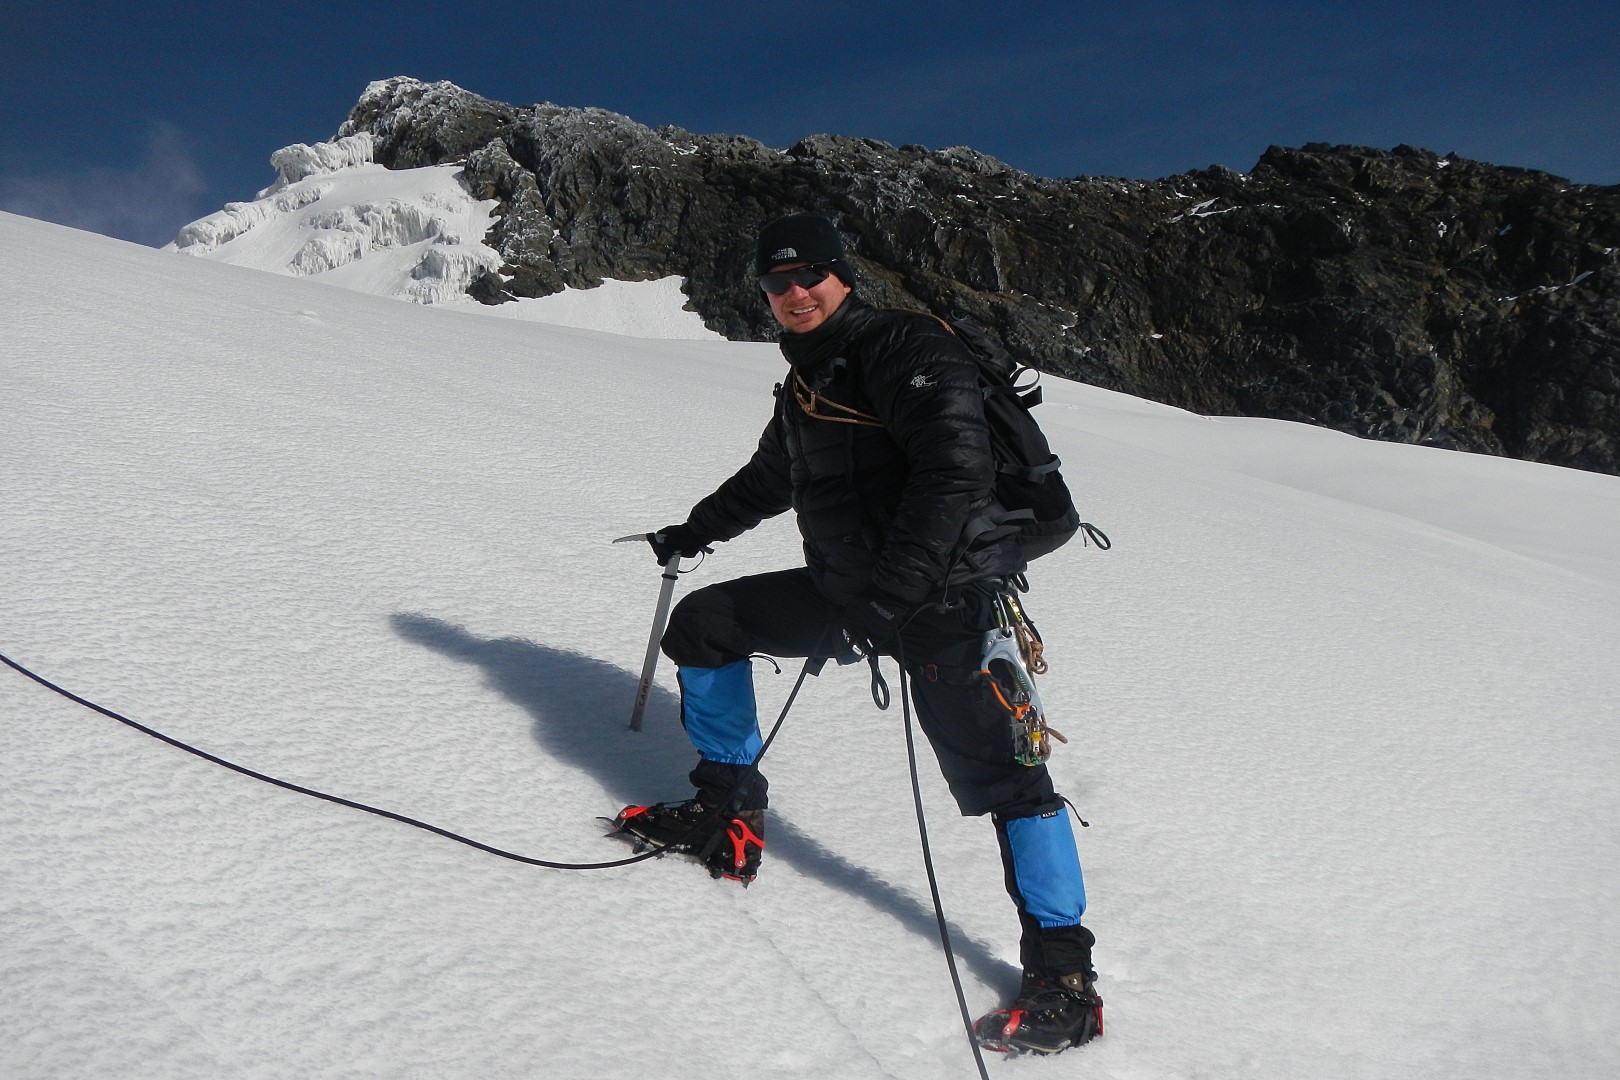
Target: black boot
x,y
1049,1016
729,844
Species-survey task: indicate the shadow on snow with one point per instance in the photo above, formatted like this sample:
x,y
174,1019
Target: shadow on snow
x,y
579,706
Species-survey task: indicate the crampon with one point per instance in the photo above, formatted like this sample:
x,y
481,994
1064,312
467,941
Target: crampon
x,y
1048,1017
728,844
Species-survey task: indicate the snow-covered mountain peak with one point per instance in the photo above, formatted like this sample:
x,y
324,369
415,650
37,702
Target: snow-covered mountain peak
x,y
415,235
334,214
406,102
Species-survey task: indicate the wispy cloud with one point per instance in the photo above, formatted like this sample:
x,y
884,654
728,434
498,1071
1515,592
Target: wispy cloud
x,y
146,201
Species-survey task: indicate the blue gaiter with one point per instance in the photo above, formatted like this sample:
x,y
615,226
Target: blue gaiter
x,y
717,708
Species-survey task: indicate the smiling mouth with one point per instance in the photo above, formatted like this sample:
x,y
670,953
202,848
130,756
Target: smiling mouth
x,y
801,311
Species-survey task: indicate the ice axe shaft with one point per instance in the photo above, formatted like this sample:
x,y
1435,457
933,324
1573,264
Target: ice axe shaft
x,y
649,665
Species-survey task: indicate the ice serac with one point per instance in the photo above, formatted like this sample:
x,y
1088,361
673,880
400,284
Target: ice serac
x,y
223,226
1397,294
294,163
333,213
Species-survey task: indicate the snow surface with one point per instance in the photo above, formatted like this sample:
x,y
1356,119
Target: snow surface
x,y
413,234
1343,720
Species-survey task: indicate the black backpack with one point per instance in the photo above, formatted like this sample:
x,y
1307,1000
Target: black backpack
x,y
1029,484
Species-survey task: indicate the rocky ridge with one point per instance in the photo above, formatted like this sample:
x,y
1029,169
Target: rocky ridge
x,y
1396,294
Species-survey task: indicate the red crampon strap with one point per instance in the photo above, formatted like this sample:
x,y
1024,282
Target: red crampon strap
x,y
741,836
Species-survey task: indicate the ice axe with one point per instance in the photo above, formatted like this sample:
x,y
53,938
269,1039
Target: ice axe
x,y
666,592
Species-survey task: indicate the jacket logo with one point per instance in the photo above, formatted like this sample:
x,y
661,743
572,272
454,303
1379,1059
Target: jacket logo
x,y
784,255
922,381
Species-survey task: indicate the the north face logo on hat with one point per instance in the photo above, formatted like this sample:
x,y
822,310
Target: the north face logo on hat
x,y
785,254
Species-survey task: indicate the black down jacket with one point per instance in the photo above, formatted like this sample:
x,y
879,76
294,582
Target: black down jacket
x,y
882,509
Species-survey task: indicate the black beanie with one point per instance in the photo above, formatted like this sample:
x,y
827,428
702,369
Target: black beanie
x,y
802,238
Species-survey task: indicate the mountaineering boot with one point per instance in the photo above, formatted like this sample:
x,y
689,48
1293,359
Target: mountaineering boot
x,y
1049,1016
729,844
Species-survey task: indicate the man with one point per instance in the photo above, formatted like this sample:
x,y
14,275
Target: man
x,y
878,442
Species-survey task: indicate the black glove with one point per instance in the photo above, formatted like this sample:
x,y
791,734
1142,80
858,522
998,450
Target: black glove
x,y
869,622
682,540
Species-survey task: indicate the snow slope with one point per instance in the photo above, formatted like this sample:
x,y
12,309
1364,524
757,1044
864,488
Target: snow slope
x,y
335,216
1343,720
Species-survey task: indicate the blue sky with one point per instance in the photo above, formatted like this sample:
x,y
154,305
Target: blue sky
x,y
133,119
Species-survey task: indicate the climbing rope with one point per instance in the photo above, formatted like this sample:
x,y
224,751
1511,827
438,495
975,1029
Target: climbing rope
x,y
402,818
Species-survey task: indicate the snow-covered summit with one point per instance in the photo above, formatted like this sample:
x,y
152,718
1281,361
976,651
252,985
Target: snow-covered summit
x,y
336,215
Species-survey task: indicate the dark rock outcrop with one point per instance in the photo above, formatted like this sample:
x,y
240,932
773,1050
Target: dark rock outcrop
x,y
1392,294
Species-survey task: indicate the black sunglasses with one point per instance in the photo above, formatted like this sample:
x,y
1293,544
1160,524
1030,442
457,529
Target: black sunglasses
x,y
805,277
